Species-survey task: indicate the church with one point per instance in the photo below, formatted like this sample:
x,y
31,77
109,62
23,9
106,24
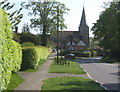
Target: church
x,y
73,40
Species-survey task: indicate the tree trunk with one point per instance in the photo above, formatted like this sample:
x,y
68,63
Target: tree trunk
x,y
44,37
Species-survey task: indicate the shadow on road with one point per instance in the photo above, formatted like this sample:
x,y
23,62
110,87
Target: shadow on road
x,y
89,60
115,87
116,74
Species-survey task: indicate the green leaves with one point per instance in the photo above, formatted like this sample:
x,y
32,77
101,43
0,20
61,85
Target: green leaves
x,y
32,56
10,51
15,16
106,29
46,14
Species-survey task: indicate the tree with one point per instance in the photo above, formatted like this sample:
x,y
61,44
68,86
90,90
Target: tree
x,y
106,30
94,44
29,37
15,16
46,17
25,28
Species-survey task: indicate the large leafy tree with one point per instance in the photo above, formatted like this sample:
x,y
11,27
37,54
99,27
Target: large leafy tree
x,y
29,37
14,16
107,28
25,28
46,17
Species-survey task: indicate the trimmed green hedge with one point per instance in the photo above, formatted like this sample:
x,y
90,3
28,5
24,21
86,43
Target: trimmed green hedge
x,y
25,44
32,56
10,52
82,54
77,54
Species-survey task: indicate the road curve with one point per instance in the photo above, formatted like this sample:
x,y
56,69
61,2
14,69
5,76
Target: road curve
x,y
104,73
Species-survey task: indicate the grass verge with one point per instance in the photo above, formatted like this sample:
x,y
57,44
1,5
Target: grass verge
x,y
70,84
73,68
15,80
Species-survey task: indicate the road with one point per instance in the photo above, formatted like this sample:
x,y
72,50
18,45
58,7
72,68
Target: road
x,y
104,73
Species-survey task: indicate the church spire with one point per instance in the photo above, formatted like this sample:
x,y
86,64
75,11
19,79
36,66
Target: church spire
x,y
83,18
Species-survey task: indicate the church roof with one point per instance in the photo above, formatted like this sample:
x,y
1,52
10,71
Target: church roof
x,y
83,18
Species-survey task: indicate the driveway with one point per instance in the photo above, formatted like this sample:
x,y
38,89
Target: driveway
x,y
104,73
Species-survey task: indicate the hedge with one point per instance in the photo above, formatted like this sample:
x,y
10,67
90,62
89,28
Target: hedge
x,y
93,53
77,53
32,56
82,54
25,44
10,52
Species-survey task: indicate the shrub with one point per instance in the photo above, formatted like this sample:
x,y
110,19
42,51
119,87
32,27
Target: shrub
x,y
16,52
82,54
32,56
86,54
10,52
77,54
24,44
29,37
93,53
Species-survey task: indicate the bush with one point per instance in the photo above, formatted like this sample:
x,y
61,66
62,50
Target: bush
x,y
86,54
77,54
82,54
32,56
24,44
29,37
93,53
17,56
10,52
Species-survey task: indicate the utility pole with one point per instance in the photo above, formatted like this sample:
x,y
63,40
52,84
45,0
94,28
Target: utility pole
x,y
57,29
61,42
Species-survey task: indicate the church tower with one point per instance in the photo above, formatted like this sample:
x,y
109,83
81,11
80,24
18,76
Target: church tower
x,y
84,29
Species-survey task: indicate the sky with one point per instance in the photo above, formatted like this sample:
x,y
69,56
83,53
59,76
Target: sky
x,y
93,8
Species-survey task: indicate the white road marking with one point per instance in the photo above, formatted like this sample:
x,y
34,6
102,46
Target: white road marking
x,y
93,79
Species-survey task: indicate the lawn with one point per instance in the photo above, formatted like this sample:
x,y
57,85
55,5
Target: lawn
x,y
73,68
15,80
70,84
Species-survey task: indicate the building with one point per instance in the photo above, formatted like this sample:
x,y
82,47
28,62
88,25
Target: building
x,y
74,40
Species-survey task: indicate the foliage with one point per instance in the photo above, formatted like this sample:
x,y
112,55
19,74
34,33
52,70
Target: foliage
x,y
25,28
32,56
39,65
50,44
47,16
94,44
16,54
29,37
93,53
73,68
15,80
10,51
71,84
14,16
106,30
85,54
16,37
24,44
77,53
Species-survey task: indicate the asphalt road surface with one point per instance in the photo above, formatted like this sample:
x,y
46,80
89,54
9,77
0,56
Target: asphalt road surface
x,y
104,73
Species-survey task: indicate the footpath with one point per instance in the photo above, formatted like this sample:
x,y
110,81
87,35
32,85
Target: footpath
x,y
34,80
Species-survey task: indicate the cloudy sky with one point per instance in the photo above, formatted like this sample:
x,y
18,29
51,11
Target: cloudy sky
x,y
93,8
